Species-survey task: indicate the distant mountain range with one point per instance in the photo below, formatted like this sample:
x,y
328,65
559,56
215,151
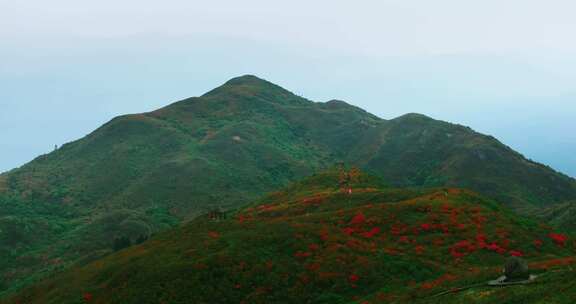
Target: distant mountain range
x,y
143,173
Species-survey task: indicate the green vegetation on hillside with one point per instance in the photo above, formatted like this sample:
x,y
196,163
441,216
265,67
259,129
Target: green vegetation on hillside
x,y
143,173
562,216
316,242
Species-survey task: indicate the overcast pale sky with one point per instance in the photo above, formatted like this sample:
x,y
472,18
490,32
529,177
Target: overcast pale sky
x,y
503,67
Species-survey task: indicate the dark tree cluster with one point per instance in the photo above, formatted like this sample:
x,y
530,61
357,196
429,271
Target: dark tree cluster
x,y
123,241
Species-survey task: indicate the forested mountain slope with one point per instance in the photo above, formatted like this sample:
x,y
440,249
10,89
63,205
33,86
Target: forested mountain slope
x,y
140,174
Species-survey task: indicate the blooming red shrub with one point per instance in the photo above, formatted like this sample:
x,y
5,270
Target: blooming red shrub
x,y
538,243
481,240
516,253
371,233
466,245
456,254
496,248
348,230
461,248
313,247
358,219
492,247
353,278
87,297
559,239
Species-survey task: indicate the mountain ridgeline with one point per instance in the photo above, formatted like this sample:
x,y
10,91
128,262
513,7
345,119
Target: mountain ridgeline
x,y
143,173
250,136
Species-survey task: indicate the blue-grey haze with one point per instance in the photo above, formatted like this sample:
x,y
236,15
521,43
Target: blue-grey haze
x,y
505,69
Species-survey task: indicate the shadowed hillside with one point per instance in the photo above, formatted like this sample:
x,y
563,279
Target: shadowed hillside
x,y
141,174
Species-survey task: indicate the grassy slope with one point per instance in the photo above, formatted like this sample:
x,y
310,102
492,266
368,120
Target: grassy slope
x,y
314,244
143,173
562,216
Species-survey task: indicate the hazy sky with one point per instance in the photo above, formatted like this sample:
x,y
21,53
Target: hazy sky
x,y
503,67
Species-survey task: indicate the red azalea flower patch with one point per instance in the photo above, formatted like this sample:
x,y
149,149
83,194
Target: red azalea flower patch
x,y
358,219
348,230
353,278
559,239
462,248
87,297
496,248
404,239
313,247
516,253
481,240
426,226
371,233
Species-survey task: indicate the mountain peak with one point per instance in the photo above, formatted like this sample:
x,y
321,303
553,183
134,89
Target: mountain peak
x,y
247,80
247,83
413,117
253,86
